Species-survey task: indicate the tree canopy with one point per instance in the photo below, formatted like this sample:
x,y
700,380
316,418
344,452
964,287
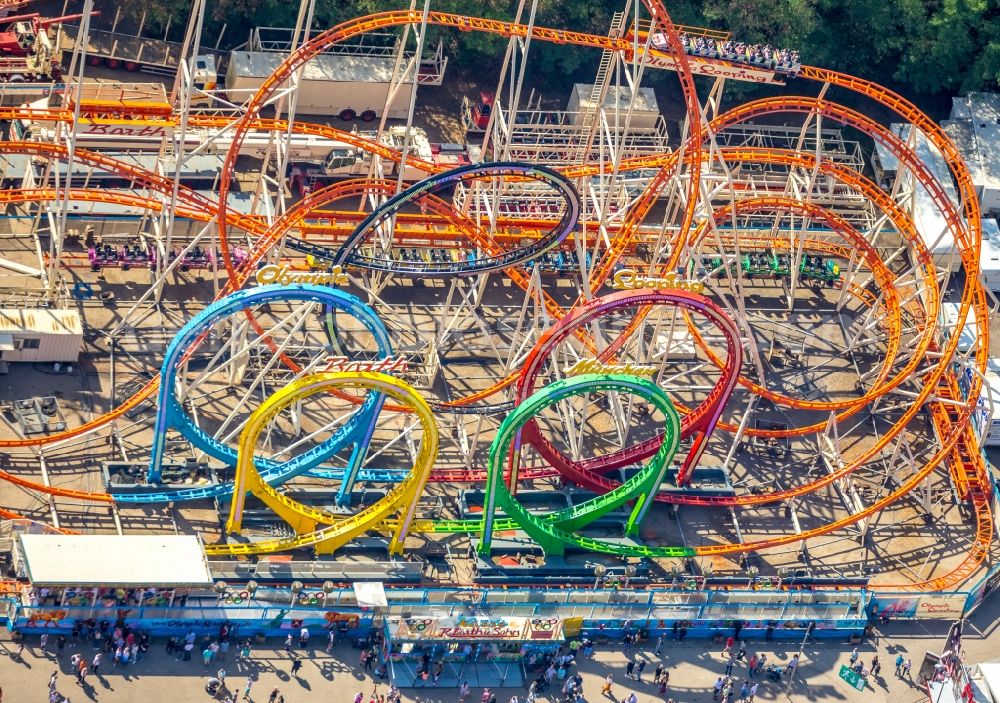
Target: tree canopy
x,y
927,47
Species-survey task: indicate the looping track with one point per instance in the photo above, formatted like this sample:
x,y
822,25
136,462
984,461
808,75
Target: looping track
x,y
898,306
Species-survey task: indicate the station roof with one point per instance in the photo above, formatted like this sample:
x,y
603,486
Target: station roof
x,y
204,166
238,202
40,321
334,68
113,560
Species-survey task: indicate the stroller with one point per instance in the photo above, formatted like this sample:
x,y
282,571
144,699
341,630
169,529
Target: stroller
x,y
213,686
774,672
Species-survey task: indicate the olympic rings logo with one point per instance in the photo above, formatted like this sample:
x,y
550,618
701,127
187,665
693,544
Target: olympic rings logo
x,y
419,624
234,597
544,625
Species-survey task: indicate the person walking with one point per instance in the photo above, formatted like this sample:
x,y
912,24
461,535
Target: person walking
x,y
876,666
752,665
854,656
52,680
899,665
639,669
742,653
606,691
464,690
730,664
221,676
629,668
753,692
532,692
303,636
44,640
95,665
659,644
717,689
296,665
793,665
906,669
288,642
188,648
60,644
658,673
744,691
274,695
246,689
729,645
331,639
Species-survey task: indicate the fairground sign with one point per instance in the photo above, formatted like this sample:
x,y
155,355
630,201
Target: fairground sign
x,y
284,276
594,366
391,363
475,629
627,279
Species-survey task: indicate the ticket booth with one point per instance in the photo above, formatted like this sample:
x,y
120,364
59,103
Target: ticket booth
x,y
485,651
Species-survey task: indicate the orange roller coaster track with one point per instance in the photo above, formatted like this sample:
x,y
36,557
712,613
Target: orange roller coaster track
x,y
952,426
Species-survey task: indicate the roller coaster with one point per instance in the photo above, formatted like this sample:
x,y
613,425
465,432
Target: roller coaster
x,y
540,423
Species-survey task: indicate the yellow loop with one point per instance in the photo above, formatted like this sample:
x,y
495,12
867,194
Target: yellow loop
x,y
304,520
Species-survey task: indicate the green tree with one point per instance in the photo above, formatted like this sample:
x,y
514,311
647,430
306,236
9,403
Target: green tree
x,y
953,41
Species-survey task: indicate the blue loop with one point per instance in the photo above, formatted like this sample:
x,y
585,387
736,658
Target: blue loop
x,y
169,412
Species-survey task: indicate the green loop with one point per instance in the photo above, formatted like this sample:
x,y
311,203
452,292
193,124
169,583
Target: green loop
x,y
555,530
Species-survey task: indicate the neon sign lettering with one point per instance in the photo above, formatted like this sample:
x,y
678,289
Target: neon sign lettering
x,y
282,275
594,366
123,130
627,279
467,633
342,363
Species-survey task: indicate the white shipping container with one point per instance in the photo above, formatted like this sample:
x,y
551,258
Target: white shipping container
x,y
645,110
989,255
991,426
330,83
40,335
969,332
